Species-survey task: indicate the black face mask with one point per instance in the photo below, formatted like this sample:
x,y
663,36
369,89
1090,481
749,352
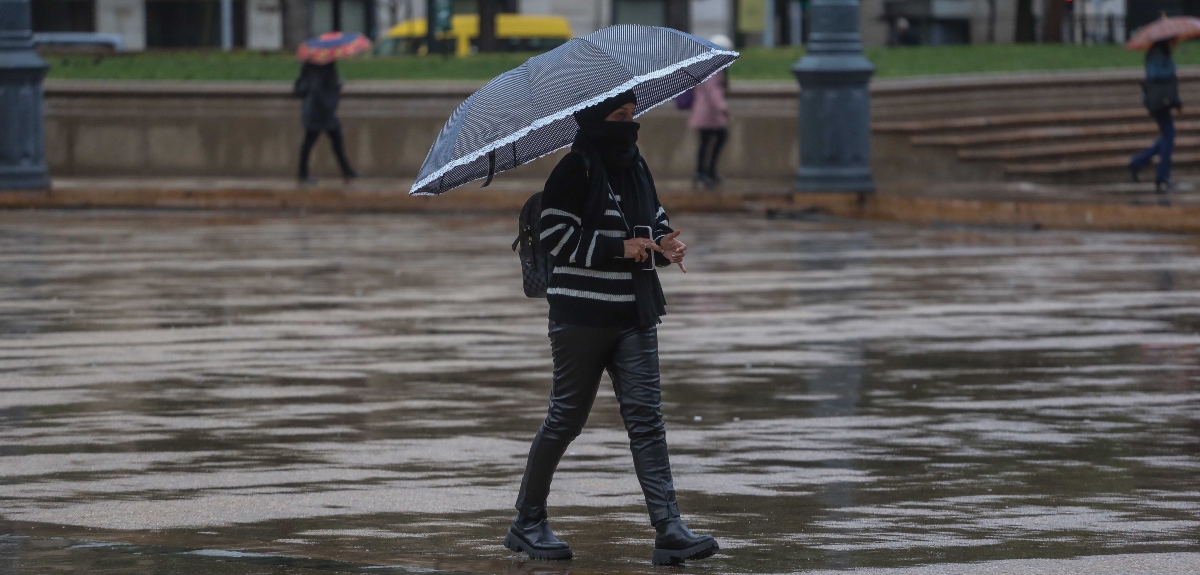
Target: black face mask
x,y
616,142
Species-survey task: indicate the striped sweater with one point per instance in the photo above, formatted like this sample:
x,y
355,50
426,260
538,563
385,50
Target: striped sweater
x,y
592,282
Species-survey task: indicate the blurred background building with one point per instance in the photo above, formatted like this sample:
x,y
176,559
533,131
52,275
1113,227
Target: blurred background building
x,y
281,24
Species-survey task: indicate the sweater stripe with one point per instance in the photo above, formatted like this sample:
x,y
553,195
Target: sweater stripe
x,y
546,233
561,243
593,273
591,250
554,212
589,295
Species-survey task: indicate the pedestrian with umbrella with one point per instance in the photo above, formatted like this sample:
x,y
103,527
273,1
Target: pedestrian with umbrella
x,y
1160,93
602,225
320,87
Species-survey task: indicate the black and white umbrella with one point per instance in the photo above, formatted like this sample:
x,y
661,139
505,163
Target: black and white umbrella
x,y
526,113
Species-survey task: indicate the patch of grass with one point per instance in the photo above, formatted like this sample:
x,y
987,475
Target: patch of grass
x,y
215,65
767,64
755,64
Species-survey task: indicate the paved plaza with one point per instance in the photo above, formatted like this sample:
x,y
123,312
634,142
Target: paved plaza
x,y
208,393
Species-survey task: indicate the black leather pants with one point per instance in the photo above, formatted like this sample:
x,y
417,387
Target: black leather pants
x,y
581,355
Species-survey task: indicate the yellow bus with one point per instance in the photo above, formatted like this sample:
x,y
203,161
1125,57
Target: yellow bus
x,y
514,33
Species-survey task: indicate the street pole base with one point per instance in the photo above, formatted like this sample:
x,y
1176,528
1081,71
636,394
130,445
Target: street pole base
x,y
24,178
845,181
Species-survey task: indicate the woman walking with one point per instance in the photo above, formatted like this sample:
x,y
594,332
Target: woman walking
x,y
604,310
710,115
1160,93
321,87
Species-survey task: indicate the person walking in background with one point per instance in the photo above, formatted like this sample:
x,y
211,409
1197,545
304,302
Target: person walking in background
x,y
1160,93
320,87
710,115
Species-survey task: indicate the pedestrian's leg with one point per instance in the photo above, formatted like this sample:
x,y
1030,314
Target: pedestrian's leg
x,y
702,157
1166,141
310,138
635,375
339,150
580,355
718,143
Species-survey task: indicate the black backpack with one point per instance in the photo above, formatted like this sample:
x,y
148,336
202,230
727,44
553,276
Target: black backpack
x,y
536,262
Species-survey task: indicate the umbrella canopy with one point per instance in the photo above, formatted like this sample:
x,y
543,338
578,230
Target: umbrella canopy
x,y
526,113
332,46
1175,27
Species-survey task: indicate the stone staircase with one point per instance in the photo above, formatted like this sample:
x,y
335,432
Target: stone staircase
x,y
1065,147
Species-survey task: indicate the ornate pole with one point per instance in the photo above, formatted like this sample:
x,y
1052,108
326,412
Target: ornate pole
x,y
22,134
835,104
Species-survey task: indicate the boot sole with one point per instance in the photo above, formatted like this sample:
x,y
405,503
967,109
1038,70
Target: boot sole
x,y
514,543
672,557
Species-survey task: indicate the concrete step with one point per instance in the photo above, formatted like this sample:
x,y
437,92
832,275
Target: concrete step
x,y
1111,162
1065,151
1041,119
1019,136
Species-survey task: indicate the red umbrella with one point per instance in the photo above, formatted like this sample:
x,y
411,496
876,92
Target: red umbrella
x,y
332,46
1176,28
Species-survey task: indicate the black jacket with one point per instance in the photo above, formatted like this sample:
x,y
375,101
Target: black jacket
x,y
584,226
321,88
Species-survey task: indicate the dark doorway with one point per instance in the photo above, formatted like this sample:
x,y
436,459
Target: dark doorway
x,y
1025,22
191,23
64,15
342,16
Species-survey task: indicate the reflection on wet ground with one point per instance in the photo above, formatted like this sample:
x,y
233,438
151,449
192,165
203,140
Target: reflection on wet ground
x,y
317,394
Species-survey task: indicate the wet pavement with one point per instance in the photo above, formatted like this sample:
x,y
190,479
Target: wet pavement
x,y
203,393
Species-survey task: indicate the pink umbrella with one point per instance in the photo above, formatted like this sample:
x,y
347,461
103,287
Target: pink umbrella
x,y
332,46
1176,28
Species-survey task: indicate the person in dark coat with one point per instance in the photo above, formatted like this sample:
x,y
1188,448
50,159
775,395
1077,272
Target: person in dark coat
x,y
604,313
321,87
1160,94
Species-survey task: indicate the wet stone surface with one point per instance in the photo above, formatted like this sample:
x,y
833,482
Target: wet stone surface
x,y
326,394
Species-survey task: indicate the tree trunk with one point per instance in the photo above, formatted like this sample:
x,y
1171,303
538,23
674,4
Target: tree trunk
x,y
991,23
295,22
1052,21
1025,32
679,15
487,25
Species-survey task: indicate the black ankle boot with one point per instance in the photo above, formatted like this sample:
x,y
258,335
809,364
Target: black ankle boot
x,y
675,543
534,536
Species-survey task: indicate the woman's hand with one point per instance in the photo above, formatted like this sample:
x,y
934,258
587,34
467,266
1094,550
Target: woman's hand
x,y
673,249
636,249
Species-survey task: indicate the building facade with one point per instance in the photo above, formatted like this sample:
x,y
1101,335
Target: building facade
x,y
282,24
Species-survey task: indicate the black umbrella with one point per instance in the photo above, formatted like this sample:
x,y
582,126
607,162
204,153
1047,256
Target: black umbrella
x,y
526,113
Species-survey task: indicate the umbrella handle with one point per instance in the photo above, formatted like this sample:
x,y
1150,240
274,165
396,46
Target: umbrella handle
x,y
491,168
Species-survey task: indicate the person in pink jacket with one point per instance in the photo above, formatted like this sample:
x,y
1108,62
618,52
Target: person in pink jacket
x,y
710,115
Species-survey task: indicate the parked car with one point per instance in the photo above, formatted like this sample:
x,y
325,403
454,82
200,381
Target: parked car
x,y
514,33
